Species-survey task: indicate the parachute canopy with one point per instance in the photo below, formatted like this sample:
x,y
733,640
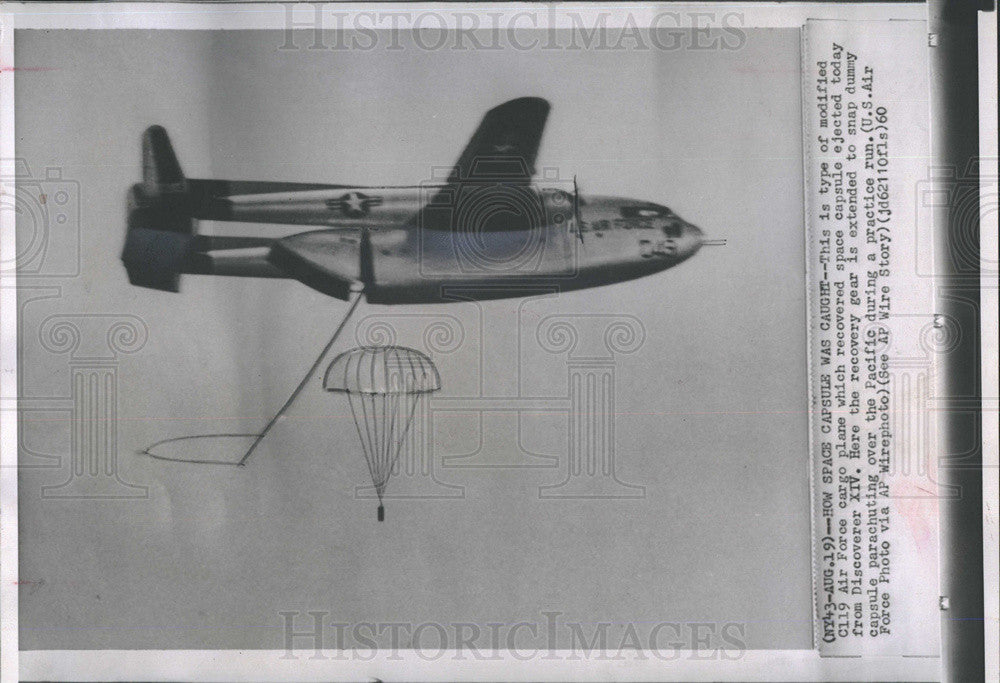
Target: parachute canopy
x,y
382,370
383,385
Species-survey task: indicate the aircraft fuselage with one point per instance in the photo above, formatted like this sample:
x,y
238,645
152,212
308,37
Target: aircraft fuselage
x,y
533,236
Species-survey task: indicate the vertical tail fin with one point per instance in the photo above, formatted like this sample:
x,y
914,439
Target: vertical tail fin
x,y
161,172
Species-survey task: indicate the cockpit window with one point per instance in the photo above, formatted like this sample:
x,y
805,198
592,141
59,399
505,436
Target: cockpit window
x,y
644,211
672,228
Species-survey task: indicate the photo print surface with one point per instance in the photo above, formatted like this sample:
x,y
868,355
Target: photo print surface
x,y
632,454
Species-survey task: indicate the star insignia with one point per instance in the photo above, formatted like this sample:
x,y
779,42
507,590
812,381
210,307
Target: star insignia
x,y
355,204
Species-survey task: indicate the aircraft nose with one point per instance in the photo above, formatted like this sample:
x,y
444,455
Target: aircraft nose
x,y
692,238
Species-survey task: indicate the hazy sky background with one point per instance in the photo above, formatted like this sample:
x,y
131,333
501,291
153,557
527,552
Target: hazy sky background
x,y
711,409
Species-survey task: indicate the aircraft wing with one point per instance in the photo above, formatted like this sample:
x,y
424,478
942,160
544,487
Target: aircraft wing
x,y
494,171
505,144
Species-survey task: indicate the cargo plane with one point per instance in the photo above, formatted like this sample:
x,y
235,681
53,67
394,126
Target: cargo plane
x,y
487,229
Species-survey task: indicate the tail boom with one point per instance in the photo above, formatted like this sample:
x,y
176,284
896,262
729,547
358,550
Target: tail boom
x,y
161,242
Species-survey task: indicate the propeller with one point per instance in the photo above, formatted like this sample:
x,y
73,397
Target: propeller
x,y
576,209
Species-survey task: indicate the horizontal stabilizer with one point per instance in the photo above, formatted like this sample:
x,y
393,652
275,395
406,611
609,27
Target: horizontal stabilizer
x,y
155,258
